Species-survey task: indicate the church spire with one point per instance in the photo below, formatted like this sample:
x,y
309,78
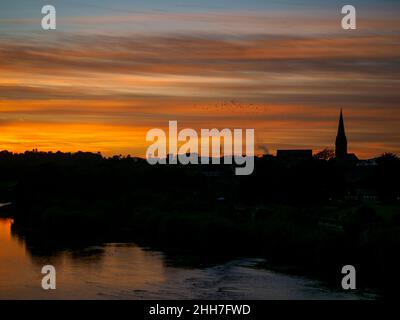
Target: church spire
x,y
341,140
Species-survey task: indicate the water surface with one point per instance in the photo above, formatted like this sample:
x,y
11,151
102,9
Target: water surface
x,y
128,271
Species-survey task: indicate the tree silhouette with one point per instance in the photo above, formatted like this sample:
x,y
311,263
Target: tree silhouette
x,y
326,154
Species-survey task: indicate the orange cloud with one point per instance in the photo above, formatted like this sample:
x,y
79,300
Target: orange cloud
x,y
103,92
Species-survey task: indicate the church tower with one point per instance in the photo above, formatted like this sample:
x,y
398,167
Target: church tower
x,y
341,140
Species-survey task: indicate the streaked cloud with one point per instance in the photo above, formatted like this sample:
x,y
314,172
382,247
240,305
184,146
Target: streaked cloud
x,y
103,80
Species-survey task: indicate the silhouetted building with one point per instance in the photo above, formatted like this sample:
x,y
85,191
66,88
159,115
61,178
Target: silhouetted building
x,y
341,143
295,154
341,140
367,163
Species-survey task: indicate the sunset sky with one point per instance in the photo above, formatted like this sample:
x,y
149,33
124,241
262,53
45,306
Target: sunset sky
x,y
115,69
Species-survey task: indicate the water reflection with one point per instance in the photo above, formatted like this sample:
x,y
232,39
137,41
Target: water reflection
x,y
127,271
82,273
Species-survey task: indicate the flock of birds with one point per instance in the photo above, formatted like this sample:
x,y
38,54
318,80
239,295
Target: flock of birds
x,y
233,105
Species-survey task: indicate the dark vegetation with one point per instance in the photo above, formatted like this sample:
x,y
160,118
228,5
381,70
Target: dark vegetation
x,y
316,214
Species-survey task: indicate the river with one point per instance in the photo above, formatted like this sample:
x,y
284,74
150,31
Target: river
x,y
128,271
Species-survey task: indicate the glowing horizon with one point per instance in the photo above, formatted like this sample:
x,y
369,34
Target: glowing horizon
x,y
110,73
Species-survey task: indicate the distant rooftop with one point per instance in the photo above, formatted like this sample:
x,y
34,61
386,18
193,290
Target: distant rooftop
x,y
294,154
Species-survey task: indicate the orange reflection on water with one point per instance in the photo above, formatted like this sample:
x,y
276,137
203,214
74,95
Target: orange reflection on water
x,y
5,229
92,272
